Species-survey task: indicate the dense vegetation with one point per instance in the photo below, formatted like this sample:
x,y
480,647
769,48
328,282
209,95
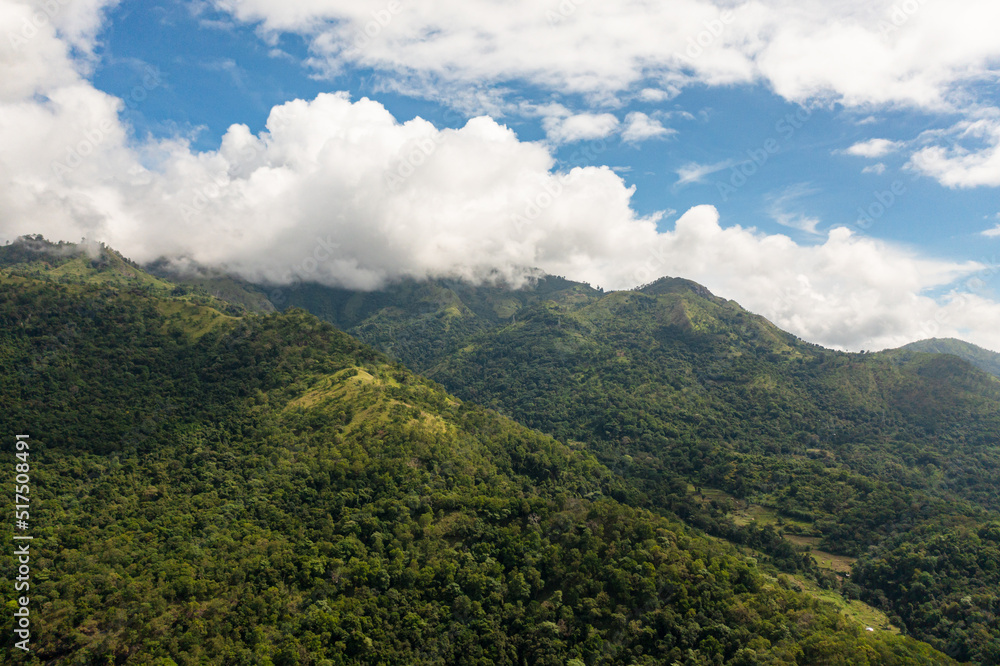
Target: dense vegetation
x,y
211,488
859,454
946,582
983,359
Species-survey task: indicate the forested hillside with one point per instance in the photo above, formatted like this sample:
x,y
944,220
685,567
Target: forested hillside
x,y
865,456
983,359
211,486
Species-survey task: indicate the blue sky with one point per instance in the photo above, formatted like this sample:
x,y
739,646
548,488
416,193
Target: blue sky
x,y
832,166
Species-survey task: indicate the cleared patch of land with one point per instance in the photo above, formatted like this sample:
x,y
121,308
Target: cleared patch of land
x,y
856,610
744,513
839,563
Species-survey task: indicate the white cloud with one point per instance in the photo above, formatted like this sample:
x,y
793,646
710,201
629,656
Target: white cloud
x,y
877,169
655,95
76,21
959,165
30,52
852,292
873,148
579,127
780,204
640,127
798,221
343,193
693,172
992,233
855,52
340,192
861,54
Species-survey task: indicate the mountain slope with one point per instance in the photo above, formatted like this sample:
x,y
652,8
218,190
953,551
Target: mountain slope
x,y
422,322
89,263
264,489
983,359
669,386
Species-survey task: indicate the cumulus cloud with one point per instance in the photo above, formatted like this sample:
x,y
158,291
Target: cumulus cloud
x,y
563,126
992,233
76,21
569,128
655,95
873,148
31,53
850,291
877,169
973,159
861,54
856,52
341,192
640,127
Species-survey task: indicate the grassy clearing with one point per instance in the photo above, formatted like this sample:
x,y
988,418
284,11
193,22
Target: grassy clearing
x,y
340,386
345,386
115,272
744,513
195,320
854,609
840,564
857,611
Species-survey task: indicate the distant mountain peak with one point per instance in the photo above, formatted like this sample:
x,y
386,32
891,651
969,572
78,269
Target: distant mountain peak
x,y
36,248
673,285
96,264
984,359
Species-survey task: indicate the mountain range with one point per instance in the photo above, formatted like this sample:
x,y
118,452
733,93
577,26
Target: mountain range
x,y
441,472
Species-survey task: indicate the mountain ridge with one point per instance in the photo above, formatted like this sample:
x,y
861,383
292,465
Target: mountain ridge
x,y
984,359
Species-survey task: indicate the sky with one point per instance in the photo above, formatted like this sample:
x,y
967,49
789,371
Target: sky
x,y
831,165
